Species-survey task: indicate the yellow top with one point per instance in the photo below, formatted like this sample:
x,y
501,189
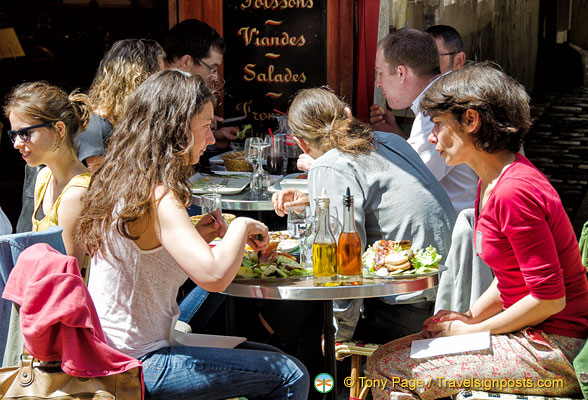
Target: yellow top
x,y
81,180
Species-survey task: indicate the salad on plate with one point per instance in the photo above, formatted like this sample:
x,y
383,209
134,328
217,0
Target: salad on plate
x,y
387,258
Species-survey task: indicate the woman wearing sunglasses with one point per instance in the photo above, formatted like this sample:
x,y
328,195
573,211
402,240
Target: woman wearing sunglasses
x,y
44,121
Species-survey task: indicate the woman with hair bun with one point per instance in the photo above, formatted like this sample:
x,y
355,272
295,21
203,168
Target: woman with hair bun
x,y
44,121
395,198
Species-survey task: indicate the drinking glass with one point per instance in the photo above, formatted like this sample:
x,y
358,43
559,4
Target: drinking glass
x,y
276,154
299,227
254,150
251,150
210,202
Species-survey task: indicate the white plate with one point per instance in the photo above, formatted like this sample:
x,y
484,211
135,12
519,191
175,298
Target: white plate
x,y
232,173
367,274
291,181
235,185
288,245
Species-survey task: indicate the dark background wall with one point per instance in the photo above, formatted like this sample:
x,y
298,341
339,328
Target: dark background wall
x,y
64,44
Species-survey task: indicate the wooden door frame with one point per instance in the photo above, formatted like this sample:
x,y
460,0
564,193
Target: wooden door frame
x,y
340,41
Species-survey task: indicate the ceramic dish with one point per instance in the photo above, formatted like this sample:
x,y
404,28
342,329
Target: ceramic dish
x,y
368,275
291,181
230,184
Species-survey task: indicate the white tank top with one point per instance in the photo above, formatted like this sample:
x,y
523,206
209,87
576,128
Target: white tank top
x,y
135,297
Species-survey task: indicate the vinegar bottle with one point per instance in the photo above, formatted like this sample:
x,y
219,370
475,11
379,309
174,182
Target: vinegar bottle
x,y
324,248
349,247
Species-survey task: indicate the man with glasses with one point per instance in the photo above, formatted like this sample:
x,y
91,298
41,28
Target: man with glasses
x,y
450,46
195,47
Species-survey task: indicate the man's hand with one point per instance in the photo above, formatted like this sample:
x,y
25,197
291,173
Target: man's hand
x,y
223,136
384,120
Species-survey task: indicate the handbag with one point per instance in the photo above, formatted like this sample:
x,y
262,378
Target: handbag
x,y
34,380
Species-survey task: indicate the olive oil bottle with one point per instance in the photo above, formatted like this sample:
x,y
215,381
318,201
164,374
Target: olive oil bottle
x,y
324,248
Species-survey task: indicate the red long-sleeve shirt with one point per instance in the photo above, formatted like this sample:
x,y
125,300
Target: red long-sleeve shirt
x,y
525,236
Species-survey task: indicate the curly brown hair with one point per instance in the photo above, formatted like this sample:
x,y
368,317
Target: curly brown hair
x,y
124,67
318,116
47,103
149,147
501,102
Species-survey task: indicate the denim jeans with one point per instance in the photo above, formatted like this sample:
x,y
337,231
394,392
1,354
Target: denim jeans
x,y
252,370
201,304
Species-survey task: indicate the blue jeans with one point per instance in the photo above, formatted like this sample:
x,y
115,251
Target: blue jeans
x,y
252,370
201,304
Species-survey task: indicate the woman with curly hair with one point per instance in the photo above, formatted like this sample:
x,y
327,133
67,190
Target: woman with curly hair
x,y
44,121
124,67
144,246
535,309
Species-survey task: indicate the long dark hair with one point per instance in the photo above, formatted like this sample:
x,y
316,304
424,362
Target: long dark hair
x,y
149,147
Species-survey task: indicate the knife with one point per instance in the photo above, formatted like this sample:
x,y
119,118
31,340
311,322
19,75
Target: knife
x,y
228,120
259,237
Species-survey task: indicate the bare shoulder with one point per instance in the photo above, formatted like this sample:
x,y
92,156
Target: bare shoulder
x,y
73,195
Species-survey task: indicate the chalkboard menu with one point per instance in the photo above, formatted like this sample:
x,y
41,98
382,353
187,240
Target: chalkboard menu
x,y
274,49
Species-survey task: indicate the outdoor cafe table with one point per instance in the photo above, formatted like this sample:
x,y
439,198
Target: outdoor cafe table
x,y
247,204
244,201
303,289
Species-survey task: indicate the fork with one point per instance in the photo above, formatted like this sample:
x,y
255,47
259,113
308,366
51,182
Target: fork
x,y
225,181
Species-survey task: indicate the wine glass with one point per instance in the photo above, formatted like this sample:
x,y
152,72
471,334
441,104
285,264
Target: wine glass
x,y
251,150
298,227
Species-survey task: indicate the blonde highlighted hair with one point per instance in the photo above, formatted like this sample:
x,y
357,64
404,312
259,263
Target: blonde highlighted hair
x,y
320,117
124,67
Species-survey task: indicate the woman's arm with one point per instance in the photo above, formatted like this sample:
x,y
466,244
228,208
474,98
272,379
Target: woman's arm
x,y
68,214
212,269
485,315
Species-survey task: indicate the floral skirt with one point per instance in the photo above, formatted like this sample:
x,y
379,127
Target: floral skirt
x,y
528,361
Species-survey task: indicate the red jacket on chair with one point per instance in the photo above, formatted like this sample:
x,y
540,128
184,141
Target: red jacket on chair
x,y
57,315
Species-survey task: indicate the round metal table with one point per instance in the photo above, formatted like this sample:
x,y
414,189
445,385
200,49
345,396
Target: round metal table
x,y
303,289
244,201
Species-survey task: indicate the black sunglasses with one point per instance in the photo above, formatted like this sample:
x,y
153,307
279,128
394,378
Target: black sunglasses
x,y
25,133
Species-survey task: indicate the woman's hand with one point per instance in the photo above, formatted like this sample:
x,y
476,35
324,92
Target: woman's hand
x,y
304,162
448,323
288,198
257,234
212,226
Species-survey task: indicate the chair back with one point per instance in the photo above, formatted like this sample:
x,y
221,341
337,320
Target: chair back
x,y
11,246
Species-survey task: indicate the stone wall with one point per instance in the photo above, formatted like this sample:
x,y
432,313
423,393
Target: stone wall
x,y
505,31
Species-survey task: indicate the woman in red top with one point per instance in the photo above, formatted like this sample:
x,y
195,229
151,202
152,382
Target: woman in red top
x,y
535,308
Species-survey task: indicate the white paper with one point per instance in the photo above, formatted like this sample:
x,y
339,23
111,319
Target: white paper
x,y
449,345
200,340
